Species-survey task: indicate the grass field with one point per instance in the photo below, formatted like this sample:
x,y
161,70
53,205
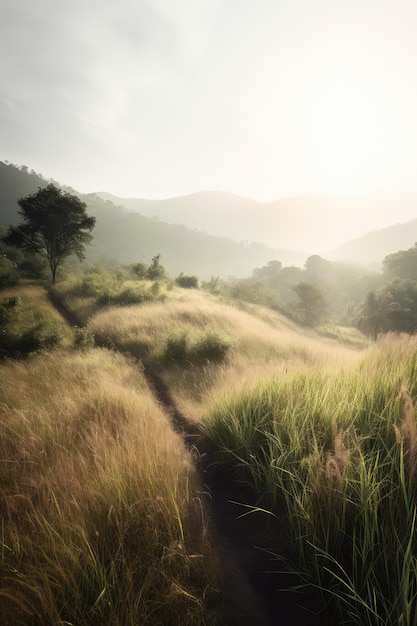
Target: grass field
x,y
332,456
29,322
228,348
102,519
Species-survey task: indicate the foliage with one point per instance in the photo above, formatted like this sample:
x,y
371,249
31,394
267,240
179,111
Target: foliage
x,y
187,281
95,288
331,455
94,533
312,305
24,329
55,223
156,271
181,348
212,285
8,272
83,339
138,270
401,264
393,307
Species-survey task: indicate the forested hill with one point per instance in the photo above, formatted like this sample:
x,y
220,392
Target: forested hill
x,y
121,237
15,183
377,244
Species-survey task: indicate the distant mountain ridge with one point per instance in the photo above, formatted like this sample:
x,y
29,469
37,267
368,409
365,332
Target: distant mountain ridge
x,y
188,238
291,223
122,237
312,223
377,244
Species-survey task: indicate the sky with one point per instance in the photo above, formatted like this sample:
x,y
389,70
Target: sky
x,y
261,98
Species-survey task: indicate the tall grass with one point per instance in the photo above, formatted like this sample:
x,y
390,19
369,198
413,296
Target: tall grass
x,y
218,348
96,288
101,522
332,454
28,322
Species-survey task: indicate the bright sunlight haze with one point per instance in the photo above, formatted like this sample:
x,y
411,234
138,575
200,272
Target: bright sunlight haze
x,y
161,99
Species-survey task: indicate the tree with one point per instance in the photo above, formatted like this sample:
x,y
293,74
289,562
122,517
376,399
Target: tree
x,y
156,271
55,223
313,303
376,314
392,308
401,264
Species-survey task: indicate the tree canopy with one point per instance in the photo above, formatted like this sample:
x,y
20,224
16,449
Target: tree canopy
x,y
401,264
312,302
55,223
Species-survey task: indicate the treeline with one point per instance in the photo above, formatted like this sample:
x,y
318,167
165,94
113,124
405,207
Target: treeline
x,y
337,292
56,228
322,292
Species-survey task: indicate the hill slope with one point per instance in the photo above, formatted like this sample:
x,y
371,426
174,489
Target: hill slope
x,y
123,237
377,244
315,223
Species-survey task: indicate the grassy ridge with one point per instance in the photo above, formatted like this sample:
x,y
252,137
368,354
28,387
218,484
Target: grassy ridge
x,y
101,518
251,348
332,454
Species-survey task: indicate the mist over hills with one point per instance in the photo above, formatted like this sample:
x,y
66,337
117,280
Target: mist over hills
x,y
301,223
122,237
375,245
214,233
312,223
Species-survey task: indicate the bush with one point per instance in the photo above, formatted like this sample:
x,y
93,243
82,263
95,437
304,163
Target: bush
x,y
177,348
83,339
31,340
8,273
211,347
208,346
138,270
20,334
187,282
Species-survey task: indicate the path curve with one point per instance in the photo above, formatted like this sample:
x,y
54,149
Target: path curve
x,y
253,585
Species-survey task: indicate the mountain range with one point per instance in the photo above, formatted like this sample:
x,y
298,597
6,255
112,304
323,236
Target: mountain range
x,y
313,224
214,233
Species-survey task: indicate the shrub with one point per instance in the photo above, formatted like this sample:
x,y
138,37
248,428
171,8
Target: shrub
x,y
138,270
177,348
211,347
83,339
187,282
207,346
22,333
8,274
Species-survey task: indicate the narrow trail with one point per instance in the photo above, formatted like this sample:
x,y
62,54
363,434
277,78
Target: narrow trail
x,y
254,587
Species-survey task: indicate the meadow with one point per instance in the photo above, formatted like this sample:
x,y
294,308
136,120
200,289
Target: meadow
x,y
103,521
104,517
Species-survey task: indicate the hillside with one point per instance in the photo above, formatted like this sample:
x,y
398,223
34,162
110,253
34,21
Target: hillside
x,y
220,234
294,223
122,237
377,244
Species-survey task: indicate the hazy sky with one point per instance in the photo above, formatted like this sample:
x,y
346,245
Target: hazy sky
x,y
264,98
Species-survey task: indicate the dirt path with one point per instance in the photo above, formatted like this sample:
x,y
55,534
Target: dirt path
x,y
254,586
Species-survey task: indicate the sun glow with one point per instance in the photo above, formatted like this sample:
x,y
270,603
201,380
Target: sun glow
x,y
344,138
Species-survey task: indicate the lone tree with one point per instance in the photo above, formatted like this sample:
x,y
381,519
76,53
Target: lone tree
x,y
55,223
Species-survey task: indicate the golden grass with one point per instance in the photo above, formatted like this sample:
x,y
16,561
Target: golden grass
x,y
37,307
262,345
332,455
101,517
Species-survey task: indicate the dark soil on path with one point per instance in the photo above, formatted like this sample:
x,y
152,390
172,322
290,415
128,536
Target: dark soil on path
x,y
259,592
